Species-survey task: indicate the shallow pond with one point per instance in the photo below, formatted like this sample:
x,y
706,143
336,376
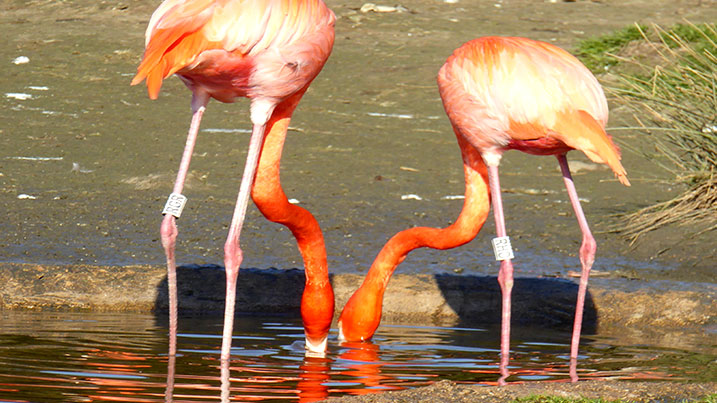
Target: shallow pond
x,y
79,357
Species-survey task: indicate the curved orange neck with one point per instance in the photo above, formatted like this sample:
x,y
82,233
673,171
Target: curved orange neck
x,y
362,313
317,304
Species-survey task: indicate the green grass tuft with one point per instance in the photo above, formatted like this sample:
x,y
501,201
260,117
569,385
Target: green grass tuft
x,y
596,53
668,78
556,399
700,37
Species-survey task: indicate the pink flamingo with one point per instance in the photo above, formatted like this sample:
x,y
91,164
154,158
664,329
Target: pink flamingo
x,y
502,94
268,51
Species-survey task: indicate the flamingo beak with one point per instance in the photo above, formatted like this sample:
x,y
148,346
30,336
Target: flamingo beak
x,y
316,348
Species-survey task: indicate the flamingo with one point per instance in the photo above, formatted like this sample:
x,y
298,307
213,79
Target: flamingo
x,y
502,93
268,51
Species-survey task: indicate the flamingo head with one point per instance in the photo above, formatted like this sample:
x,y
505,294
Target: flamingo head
x,y
361,316
317,311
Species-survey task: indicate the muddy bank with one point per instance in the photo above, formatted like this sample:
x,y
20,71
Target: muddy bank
x,y
439,299
86,161
446,391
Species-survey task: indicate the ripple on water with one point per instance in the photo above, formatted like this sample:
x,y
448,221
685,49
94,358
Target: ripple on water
x,y
81,356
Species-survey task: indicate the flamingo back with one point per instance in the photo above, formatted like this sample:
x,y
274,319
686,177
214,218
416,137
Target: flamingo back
x,y
230,39
508,92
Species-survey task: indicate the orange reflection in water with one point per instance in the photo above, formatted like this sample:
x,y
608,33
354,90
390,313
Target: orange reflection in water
x,y
352,368
128,376
365,368
313,378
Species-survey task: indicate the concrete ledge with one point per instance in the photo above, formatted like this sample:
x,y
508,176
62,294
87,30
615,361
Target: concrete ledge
x,y
425,299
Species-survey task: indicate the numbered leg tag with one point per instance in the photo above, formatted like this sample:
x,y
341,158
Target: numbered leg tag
x,y
502,248
175,204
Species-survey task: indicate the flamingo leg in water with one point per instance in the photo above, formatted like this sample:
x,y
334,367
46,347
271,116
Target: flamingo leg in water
x,y
587,257
168,229
169,390
225,382
505,275
260,113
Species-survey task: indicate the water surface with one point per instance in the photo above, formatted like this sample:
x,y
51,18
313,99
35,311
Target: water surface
x,y
79,357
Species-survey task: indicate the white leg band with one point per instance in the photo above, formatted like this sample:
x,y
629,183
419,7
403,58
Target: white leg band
x,y
502,248
175,204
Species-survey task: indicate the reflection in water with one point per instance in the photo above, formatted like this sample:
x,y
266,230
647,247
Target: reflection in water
x,y
169,391
313,378
73,357
363,363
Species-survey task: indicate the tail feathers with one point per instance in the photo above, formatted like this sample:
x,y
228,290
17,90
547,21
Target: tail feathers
x,y
168,51
154,75
581,131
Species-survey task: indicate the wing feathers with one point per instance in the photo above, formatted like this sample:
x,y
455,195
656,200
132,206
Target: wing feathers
x,y
504,89
180,30
174,42
581,131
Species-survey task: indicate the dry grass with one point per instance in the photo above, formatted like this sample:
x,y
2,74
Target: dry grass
x,y
695,207
672,92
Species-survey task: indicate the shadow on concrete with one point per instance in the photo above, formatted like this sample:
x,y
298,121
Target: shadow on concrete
x,y
201,290
462,300
536,302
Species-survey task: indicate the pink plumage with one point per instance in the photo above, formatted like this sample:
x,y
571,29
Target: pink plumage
x,y
517,93
502,94
268,51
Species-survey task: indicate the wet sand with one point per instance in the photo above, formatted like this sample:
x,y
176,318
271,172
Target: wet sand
x,y
87,161
445,391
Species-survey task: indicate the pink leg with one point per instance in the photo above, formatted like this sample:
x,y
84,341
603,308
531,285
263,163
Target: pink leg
x,y
505,275
260,113
169,390
168,229
587,257
225,387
